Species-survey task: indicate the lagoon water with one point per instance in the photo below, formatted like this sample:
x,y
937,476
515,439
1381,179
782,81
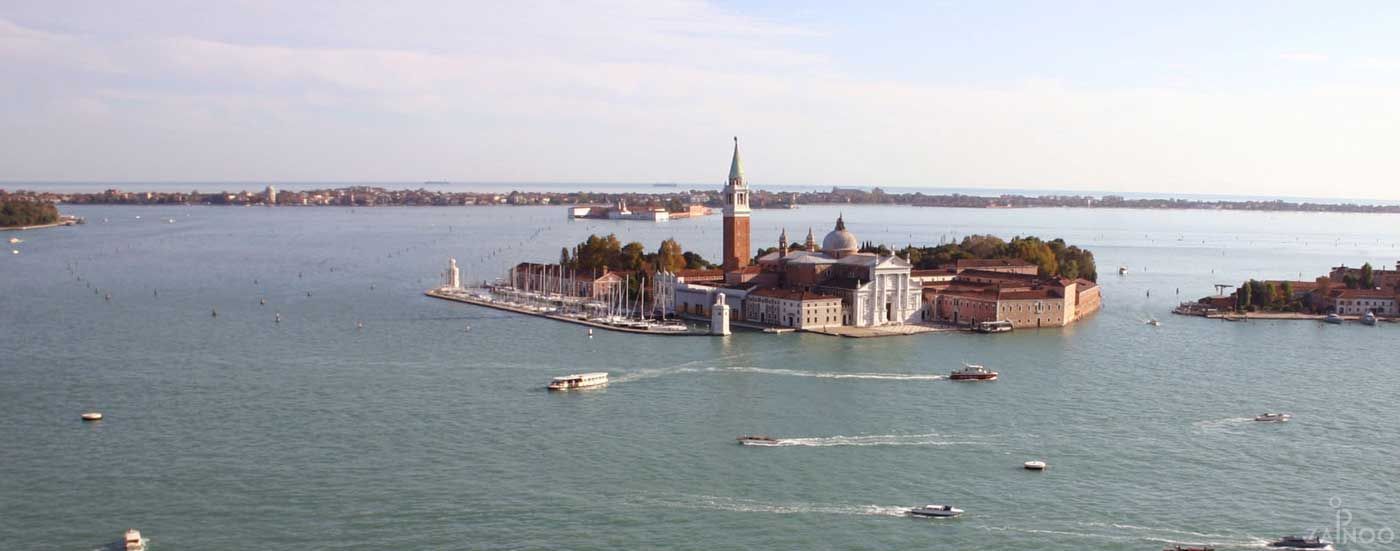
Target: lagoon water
x,y
235,432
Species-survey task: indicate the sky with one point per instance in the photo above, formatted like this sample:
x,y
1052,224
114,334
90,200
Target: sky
x,y
1272,98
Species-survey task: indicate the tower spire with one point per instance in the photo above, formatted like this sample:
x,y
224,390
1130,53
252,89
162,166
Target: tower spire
x,y
736,168
782,244
811,244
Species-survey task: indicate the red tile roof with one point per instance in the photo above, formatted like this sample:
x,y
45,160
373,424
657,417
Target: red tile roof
x,y
791,294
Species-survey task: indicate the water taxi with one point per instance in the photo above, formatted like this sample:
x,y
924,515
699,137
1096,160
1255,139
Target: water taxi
x,y
579,381
92,416
1273,417
973,372
936,511
1299,542
133,541
1369,318
999,326
1333,319
757,440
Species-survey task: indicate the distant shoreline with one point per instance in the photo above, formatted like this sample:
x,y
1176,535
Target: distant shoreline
x,y
365,196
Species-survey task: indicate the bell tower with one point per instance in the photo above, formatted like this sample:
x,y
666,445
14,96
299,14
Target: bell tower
x,y
736,216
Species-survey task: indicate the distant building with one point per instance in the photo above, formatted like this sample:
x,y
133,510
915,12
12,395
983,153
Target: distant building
x,y
1381,302
270,195
1025,300
1384,279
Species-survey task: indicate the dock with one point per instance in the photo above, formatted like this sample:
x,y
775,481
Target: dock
x,y
467,298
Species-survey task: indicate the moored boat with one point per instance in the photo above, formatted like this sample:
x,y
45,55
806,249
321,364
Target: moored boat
x,y
1273,417
579,381
1333,319
1182,548
132,541
1369,318
973,372
1300,542
936,511
757,440
998,326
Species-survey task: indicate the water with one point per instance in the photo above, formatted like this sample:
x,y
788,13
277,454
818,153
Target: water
x,y
233,431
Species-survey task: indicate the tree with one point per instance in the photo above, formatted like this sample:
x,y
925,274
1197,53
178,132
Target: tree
x,y
1244,297
630,256
670,257
1350,280
564,256
1368,277
1288,294
696,262
1271,291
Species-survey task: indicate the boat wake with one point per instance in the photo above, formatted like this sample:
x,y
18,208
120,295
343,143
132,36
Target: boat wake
x,y
930,439
1156,535
1220,425
739,505
658,372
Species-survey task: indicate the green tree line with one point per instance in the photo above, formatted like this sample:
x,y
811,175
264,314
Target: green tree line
x,y
1052,258
27,213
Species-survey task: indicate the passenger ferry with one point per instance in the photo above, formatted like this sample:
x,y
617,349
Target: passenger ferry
x,y
579,381
973,373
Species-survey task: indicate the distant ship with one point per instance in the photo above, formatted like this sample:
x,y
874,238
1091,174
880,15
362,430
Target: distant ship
x,y
1297,542
757,440
936,511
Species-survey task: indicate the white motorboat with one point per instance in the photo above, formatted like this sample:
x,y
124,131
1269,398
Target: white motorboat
x,y
15,240
1122,270
1333,319
133,540
1153,322
1273,417
936,511
579,381
757,440
1036,465
1369,318
92,416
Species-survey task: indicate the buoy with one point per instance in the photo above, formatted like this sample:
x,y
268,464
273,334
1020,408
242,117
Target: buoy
x,y
92,416
1036,465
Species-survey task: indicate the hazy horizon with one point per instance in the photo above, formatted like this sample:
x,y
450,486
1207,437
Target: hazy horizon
x,y
1245,100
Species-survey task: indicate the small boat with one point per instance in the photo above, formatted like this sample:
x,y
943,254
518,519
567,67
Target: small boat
x,y
999,326
1299,542
92,416
973,372
133,541
1153,322
1122,270
1333,319
579,381
1273,417
757,440
936,511
15,240
1181,548
1036,465
14,251
1369,318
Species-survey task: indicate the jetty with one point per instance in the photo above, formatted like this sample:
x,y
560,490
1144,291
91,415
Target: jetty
x,y
457,295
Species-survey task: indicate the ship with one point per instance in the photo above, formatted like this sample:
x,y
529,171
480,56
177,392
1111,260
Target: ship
x,y
757,440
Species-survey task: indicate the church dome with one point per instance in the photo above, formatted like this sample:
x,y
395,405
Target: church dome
x,y
839,242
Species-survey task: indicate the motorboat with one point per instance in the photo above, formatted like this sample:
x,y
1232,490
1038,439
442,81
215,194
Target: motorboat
x,y
1153,322
1036,465
1333,319
936,511
999,326
1182,548
1122,270
1273,417
579,381
15,240
133,541
1369,318
1299,542
973,372
757,440
92,416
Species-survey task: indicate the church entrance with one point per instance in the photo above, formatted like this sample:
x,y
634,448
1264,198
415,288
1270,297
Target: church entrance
x,y
889,312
